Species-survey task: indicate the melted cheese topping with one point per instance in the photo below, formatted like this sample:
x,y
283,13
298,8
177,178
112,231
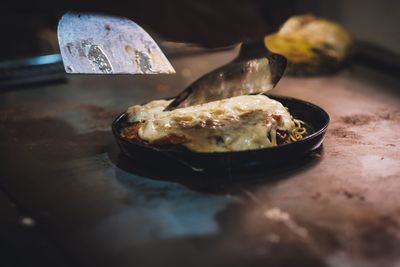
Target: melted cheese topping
x,y
238,123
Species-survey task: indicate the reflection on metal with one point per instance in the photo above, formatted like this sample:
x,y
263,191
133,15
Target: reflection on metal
x,y
143,61
99,59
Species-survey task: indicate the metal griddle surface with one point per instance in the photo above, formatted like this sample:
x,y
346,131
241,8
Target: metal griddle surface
x,y
91,207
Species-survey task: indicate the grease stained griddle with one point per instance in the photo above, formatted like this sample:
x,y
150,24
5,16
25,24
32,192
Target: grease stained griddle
x,y
69,196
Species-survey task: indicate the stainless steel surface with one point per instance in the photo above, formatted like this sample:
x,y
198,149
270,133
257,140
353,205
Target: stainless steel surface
x,y
340,207
101,44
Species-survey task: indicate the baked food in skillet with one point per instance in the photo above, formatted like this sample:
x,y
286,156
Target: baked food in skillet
x,y
234,124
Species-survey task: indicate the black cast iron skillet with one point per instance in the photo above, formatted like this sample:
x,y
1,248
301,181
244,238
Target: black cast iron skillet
x,y
316,120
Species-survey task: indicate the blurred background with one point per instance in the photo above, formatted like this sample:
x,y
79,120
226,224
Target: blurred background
x,y
29,27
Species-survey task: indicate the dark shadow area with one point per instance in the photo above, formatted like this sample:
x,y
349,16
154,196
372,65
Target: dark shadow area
x,y
387,81
377,57
217,181
34,153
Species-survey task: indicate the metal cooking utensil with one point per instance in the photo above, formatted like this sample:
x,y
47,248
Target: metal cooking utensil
x,y
255,70
102,44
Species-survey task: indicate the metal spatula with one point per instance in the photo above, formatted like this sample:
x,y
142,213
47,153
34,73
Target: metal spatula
x,y
256,70
101,44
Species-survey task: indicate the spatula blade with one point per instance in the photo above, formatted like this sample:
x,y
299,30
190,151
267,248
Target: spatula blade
x,y
102,44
